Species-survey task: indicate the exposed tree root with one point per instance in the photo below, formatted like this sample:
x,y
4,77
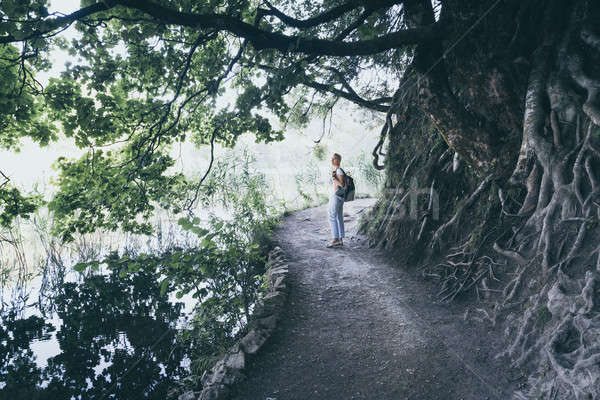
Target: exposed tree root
x,y
552,315
430,211
573,350
546,292
439,233
464,269
513,255
560,326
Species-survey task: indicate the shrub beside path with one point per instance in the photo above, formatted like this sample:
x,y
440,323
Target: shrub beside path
x,y
357,325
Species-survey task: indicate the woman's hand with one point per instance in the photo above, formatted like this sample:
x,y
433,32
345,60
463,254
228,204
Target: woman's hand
x,y
336,179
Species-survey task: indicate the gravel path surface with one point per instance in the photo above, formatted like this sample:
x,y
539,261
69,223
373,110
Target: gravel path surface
x,y
359,326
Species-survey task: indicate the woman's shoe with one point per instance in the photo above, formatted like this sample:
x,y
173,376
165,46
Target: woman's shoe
x,y
334,244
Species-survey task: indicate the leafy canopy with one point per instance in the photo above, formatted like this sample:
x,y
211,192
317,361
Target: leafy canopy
x,y
144,75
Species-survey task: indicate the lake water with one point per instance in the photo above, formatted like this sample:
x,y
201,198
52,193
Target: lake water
x,y
98,337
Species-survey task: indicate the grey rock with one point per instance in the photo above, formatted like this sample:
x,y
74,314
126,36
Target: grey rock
x,y
266,309
234,348
280,263
275,273
189,395
235,360
226,370
274,259
217,392
232,377
253,341
280,282
269,305
282,288
267,324
261,311
274,299
215,375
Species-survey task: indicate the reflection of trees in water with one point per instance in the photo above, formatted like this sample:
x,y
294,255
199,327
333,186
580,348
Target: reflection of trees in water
x,y
116,340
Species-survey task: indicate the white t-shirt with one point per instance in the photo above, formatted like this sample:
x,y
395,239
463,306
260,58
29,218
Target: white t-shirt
x,y
340,174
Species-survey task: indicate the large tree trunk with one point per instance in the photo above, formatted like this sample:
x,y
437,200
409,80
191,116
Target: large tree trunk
x,y
517,100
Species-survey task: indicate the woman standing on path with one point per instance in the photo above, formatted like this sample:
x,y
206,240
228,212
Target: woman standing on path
x,y
336,202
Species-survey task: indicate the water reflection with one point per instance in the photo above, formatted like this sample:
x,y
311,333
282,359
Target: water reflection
x,y
107,337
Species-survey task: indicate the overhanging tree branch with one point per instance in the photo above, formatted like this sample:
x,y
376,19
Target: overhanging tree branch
x,y
260,39
375,105
328,15
6,179
49,25
354,25
351,95
189,204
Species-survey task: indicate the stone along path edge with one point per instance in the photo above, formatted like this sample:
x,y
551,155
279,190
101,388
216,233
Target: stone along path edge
x,y
228,370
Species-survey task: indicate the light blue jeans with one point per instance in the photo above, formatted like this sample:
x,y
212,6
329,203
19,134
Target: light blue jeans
x,y
336,216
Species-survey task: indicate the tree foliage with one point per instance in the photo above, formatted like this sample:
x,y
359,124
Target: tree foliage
x,y
145,75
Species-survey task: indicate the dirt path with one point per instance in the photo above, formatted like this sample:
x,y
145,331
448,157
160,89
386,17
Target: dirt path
x,y
357,326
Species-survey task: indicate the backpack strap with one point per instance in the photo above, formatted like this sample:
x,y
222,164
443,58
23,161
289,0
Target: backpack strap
x,y
345,178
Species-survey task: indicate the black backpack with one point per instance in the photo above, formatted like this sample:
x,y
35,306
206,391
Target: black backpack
x,y
349,189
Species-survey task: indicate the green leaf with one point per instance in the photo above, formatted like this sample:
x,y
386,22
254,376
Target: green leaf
x,y
80,267
184,223
134,266
164,286
199,231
